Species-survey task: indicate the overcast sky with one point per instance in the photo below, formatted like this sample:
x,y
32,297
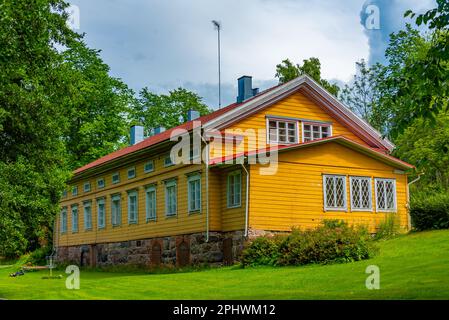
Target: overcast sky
x,y
167,44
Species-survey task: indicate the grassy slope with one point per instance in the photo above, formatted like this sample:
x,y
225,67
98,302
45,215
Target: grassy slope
x,y
415,266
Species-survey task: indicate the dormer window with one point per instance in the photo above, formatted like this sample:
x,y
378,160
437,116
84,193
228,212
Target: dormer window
x,y
315,131
282,131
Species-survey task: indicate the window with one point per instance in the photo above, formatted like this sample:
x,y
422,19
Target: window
x,y
151,203
75,218
334,192
385,195
314,131
86,187
132,207
149,166
170,198
168,161
87,215
115,178
282,131
101,210
63,220
131,173
194,193
74,191
64,194
100,183
234,189
361,194
116,210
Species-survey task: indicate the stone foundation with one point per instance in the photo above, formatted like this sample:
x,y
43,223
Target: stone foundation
x,y
222,248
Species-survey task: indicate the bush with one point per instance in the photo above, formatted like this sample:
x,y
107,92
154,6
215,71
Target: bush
x,y
262,251
39,256
430,212
333,242
389,228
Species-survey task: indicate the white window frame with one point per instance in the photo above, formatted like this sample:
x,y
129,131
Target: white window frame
x,y
87,204
116,215
86,187
117,174
197,206
148,170
133,220
75,191
395,198
74,230
171,184
100,213
151,216
167,164
228,189
326,208
133,175
286,121
354,178
98,183
311,123
63,227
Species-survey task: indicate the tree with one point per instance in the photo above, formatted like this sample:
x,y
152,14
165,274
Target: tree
x,y
426,144
404,94
34,89
287,71
362,94
99,108
153,110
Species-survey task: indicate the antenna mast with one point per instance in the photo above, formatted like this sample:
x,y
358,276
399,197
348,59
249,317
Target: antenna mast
x,y
217,26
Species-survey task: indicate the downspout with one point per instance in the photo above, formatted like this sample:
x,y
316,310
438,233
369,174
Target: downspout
x,y
246,199
207,188
408,200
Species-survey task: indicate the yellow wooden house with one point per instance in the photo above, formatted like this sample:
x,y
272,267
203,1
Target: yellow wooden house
x,y
290,156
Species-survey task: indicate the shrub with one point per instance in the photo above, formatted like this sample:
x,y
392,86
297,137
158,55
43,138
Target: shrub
x,y
333,242
430,212
39,256
388,228
262,251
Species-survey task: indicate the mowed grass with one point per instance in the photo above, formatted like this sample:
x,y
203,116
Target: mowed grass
x,y
414,266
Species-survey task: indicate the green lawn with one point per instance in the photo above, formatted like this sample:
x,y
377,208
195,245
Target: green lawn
x,y
414,266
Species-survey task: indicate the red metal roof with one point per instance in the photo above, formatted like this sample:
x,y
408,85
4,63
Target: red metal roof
x,y
163,136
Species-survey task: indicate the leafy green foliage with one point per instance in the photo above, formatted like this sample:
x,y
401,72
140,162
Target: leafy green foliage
x,y
287,71
153,110
34,89
388,228
262,251
425,143
430,211
362,94
333,242
39,256
98,109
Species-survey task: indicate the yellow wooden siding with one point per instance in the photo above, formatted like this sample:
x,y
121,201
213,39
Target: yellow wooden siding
x,y
182,223
294,106
231,218
294,196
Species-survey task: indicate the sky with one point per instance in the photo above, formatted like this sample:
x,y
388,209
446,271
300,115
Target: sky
x,y
168,44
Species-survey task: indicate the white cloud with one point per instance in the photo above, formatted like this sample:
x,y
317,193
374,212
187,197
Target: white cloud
x,y
164,44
